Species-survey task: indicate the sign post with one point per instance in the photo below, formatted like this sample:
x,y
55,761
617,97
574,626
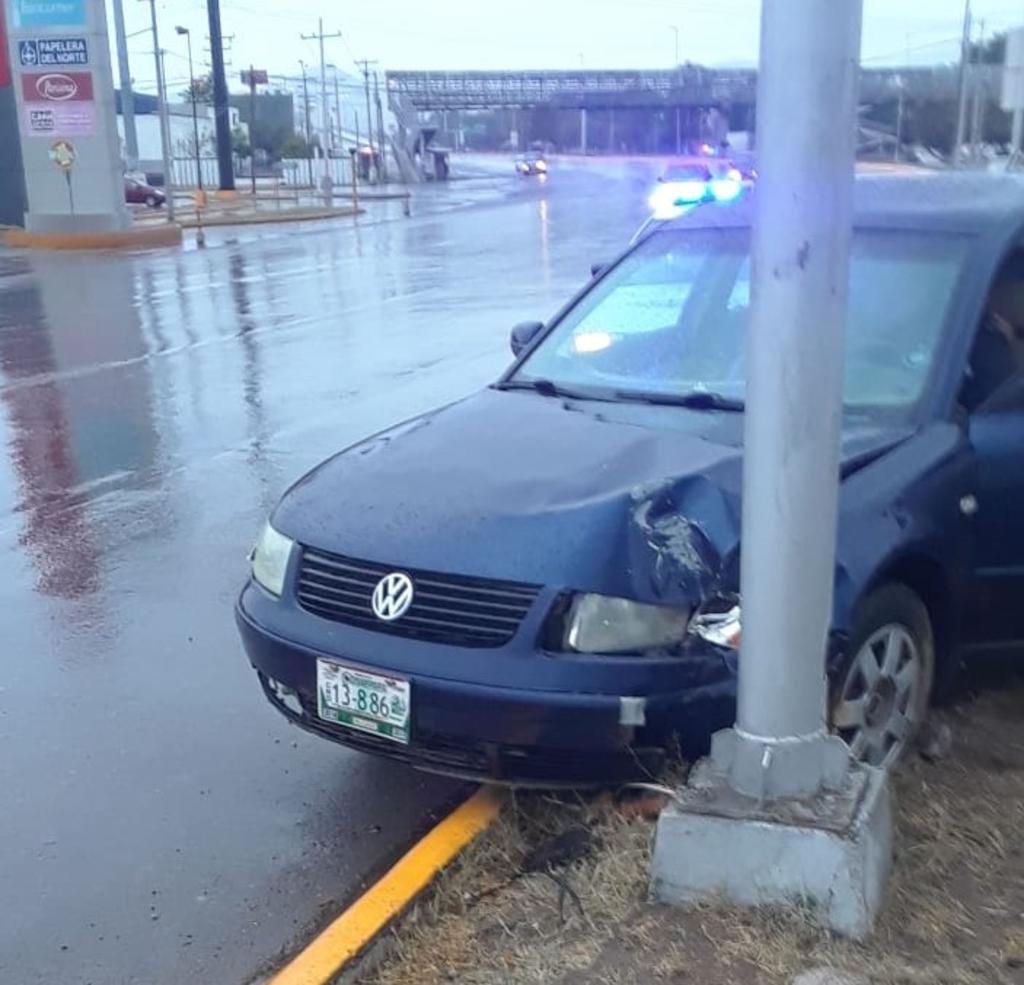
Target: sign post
x,y
63,83
252,78
63,154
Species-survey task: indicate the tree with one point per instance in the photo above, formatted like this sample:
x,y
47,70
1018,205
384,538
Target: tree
x,y
240,142
200,90
296,146
992,52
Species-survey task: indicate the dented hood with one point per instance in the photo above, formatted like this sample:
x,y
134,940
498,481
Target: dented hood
x,y
634,501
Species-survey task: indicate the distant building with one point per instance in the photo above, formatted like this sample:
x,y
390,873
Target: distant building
x,y
274,110
183,144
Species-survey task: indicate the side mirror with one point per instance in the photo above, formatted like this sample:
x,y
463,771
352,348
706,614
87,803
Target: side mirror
x,y
598,268
523,334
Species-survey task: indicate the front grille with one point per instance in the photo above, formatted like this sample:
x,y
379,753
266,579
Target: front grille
x,y
446,608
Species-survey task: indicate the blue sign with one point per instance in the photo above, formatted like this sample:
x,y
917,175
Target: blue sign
x,y
48,13
52,52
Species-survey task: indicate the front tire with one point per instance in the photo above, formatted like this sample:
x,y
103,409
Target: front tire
x,y
881,695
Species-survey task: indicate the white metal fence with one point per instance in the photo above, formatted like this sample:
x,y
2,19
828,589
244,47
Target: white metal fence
x,y
290,172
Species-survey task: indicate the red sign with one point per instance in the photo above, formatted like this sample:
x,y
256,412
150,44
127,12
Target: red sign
x,y
5,65
255,77
56,87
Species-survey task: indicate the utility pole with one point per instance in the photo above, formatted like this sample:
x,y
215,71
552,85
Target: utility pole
x,y
961,109
320,36
365,64
305,110
221,113
779,813
380,129
978,97
131,139
161,104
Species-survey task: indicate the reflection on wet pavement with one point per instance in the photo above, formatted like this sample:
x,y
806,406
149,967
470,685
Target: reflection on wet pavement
x,y
159,822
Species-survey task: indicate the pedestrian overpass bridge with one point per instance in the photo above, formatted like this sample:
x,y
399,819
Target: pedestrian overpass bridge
x,y
685,86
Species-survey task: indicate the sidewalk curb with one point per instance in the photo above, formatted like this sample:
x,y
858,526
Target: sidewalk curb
x,y
187,221
166,234
357,927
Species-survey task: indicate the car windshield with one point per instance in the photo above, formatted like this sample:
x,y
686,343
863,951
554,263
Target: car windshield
x,y
670,320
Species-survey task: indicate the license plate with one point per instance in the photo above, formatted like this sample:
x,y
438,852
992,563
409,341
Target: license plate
x,y
367,702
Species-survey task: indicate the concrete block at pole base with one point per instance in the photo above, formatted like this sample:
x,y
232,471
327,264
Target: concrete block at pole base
x,y
830,854
774,768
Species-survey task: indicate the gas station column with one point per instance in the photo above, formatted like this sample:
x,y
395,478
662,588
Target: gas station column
x,y
67,127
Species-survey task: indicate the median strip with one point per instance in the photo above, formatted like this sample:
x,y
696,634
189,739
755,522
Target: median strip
x,y
349,934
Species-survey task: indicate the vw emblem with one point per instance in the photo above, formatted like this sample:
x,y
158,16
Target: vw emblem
x,y
392,596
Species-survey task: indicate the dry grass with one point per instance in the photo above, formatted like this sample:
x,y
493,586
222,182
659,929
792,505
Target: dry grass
x,y
955,914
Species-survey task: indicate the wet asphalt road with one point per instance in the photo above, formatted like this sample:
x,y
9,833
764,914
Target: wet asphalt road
x,y
158,821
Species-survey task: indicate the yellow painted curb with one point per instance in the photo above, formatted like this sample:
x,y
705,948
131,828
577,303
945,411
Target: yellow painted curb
x,y
167,234
189,221
343,939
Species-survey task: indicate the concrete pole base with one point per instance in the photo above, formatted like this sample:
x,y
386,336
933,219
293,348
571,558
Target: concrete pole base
x,y
830,853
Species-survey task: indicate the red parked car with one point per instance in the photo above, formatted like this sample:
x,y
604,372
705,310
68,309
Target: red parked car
x,y
139,193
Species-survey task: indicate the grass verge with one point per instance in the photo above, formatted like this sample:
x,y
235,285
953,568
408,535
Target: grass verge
x,y
954,916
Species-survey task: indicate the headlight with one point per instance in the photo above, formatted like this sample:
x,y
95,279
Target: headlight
x,y
601,624
722,626
270,559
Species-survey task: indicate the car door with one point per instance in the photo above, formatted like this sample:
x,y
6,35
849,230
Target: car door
x,y
996,431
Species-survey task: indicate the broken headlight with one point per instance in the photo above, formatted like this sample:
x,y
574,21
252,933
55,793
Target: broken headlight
x,y
719,622
602,624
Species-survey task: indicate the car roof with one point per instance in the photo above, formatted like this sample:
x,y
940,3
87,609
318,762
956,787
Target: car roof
x,y
951,201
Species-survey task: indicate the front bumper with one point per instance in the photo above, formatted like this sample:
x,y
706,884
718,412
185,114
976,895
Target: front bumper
x,y
485,731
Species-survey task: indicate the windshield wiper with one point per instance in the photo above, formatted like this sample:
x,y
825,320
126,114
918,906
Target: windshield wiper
x,y
698,399
549,389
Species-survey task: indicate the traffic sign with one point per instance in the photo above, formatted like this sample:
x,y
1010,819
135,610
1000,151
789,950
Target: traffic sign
x,y
63,154
255,77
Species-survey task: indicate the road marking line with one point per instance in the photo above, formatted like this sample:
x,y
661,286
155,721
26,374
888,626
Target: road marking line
x,y
346,936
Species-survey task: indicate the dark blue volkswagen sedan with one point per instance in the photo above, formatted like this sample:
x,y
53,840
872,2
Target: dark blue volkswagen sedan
x,y
539,584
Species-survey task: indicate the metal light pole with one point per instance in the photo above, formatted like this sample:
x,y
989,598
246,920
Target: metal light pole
x,y
810,50
131,139
195,113
780,815
165,127
675,30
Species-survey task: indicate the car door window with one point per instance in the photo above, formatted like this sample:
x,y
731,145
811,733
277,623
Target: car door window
x,y
997,354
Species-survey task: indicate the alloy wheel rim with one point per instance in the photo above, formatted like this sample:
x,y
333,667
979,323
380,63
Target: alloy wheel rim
x,y
879,707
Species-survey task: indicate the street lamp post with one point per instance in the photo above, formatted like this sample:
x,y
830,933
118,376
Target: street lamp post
x,y
195,115
675,30
165,128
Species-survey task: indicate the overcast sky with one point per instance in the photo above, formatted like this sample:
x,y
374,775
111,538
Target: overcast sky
x,y
462,34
